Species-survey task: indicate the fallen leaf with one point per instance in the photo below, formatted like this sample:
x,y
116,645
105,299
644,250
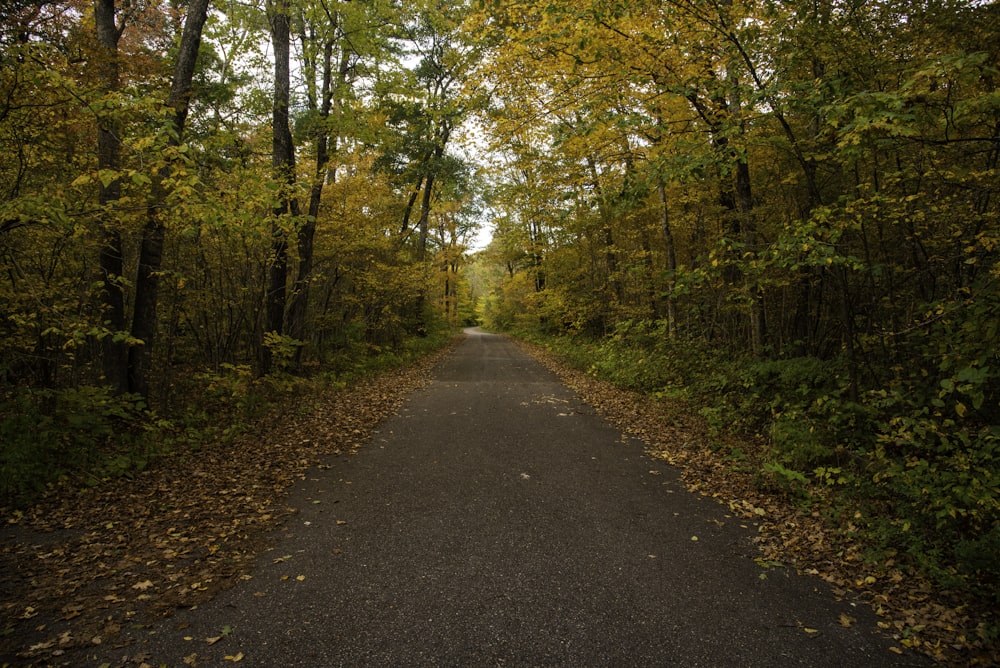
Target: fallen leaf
x,y
143,586
300,578
235,657
847,621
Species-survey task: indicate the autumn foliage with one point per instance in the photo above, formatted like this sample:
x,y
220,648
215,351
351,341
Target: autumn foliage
x,y
184,229
780,216
784,215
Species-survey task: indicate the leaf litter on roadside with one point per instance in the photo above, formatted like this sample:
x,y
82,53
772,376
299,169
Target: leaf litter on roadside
x,y
86,563
917,615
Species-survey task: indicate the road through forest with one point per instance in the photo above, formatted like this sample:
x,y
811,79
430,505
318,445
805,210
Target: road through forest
x,y
496,520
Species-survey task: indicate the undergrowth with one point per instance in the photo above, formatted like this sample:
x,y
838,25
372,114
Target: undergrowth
x,y
911,465
85,436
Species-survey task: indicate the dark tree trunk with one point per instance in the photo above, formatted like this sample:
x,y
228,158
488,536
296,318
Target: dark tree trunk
x,y
668,240
425,211
114,347
151,249
283,163
325,145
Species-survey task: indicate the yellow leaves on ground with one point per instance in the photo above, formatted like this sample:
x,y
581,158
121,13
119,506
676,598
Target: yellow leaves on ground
x,y
226,630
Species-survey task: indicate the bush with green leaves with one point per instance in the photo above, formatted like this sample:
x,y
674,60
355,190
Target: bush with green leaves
x,y
47,435
919,456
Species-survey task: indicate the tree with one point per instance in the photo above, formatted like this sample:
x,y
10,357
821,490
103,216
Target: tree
x,y
115,352
178,102
283,164
425,119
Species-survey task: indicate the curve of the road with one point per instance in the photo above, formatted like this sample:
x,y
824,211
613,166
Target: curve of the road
x,y
495,520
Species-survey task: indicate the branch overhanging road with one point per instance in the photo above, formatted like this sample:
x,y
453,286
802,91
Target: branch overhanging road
x,y
496,520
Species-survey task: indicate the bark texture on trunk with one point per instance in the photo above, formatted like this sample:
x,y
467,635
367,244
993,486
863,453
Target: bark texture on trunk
x,y
154,230
114,347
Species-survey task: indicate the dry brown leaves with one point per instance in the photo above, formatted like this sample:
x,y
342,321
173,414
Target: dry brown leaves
x,y
78,568
915,614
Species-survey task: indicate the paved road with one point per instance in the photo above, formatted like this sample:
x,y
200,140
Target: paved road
x,y
495,521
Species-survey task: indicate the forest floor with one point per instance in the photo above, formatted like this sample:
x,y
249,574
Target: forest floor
x,y
83,565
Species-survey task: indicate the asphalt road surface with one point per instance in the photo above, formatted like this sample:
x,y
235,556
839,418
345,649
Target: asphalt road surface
x,y
497,521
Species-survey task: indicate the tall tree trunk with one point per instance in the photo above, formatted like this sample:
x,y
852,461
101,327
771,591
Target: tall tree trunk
x,y
535,237
718,112
668,239
748,233
425,212
408,210
151,249
283,163
744,203
114,347
307,232
608,240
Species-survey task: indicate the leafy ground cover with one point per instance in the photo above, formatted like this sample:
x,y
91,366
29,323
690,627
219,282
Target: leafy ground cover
x,y
87,562
950,626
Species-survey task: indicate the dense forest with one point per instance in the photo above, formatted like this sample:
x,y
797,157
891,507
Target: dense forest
x,y
204,201
782,214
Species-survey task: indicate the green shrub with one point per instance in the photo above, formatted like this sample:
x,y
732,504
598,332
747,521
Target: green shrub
x,y
49,434
918,459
